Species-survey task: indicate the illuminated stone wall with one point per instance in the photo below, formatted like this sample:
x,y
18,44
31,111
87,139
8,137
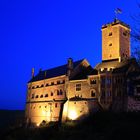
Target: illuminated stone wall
x,y
82,102
78,110
115,42
44,102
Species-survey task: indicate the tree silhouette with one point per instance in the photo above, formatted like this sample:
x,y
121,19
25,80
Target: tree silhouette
x,y
136,36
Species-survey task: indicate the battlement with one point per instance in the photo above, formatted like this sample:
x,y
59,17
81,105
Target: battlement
x,y
115,22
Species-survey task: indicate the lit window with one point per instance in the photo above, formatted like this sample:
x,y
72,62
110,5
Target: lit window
x,y
78,87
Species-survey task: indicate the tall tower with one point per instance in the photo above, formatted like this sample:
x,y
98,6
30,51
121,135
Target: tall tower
x,y
115,41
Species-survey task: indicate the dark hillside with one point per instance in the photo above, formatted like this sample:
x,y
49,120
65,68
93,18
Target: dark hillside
x,y
9,117
100,126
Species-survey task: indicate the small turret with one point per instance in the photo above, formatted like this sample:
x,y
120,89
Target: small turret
x,y
69,66
33,72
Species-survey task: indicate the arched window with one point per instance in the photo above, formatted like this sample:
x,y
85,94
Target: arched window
x,y
51,93
37,86
41,96
32,96
93,93
36,96
46,95
58,92
42,85
55,105
61,92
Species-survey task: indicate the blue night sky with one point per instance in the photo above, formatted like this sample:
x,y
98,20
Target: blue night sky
x,y
44,33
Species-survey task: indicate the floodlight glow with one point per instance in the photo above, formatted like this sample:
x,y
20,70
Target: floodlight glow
x,y
72,114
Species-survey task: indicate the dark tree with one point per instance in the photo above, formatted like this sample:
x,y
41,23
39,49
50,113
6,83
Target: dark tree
x,y
136,36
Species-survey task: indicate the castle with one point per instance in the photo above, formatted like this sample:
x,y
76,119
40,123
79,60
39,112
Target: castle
x,y
75,90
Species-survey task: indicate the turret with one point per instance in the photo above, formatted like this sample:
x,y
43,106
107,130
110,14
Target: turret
x,y
69,66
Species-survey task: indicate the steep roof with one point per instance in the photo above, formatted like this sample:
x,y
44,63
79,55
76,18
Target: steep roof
x,y
53,72
84,72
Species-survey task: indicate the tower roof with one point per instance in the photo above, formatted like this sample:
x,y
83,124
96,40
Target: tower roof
x,y
115,22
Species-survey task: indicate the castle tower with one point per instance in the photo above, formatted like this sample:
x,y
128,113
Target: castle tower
x,y
115,41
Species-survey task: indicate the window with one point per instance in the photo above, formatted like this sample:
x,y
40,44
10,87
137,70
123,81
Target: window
x,y
42,85
37,86
51,93
47,84
55,105
57,92
110,44
41,96
61,92
33,87
46,95
45,106
93,93
78,87
32,96
93,82
52,83
36,96
110,34
125,33
58,82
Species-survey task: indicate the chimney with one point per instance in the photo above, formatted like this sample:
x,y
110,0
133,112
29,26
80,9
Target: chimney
x,y
33,72
69,66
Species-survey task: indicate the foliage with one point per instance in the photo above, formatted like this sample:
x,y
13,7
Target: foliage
x,y
136,36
